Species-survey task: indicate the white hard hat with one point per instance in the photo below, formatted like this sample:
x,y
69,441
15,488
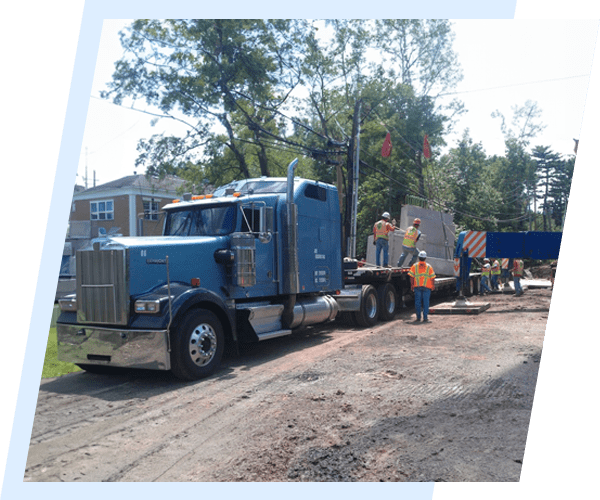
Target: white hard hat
x,y
385,215
423,254
487,266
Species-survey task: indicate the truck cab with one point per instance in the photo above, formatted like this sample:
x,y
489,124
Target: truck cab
x,y
253,261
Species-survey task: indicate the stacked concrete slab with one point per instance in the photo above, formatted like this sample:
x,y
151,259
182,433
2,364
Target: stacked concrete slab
x,y
437,239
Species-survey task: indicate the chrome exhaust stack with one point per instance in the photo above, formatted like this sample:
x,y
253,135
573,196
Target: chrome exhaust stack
x,y
290,282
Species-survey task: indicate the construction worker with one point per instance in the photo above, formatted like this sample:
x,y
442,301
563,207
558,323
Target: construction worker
x,y
495,274
505,271
381,230
485,276
409,244
518,270
422,276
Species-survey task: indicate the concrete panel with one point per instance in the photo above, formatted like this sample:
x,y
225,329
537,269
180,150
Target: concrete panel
x,y
437,239
439,228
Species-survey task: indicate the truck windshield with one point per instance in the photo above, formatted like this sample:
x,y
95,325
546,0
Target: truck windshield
x,y
201,221
256,186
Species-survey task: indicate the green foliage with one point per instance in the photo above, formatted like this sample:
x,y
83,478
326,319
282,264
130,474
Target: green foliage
x,y
255,94
53,367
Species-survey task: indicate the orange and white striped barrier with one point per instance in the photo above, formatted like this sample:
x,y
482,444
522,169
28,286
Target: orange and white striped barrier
x,y
475,243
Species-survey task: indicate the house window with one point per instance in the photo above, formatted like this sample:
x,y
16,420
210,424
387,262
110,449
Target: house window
x,y
102,210
150,210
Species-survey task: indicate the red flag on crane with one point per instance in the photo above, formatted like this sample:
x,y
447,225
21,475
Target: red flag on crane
x,y
386,149
426,149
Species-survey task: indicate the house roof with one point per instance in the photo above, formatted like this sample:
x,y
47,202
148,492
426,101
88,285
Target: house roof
x,y
168,184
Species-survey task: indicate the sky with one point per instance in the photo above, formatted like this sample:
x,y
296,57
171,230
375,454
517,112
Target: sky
x,y
505,63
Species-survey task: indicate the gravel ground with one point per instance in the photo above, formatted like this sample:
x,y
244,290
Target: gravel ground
x,y
448,400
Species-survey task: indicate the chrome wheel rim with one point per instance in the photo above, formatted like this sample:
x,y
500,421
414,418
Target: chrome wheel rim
x,y
390,302
203,344
371,306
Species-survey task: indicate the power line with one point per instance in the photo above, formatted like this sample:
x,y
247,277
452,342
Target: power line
x,y
515,85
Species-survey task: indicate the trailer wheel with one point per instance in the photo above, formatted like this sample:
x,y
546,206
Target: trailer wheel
x,y
197,346
369,307
388,301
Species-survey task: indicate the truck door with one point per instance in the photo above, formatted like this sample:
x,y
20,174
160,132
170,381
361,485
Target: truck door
x,y
258,220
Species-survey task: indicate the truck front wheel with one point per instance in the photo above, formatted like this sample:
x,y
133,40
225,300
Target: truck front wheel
x,y
197,346
369,307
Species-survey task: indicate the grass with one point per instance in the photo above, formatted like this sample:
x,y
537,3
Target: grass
x,y
53,367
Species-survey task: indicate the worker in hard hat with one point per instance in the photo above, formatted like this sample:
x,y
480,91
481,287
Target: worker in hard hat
x,y
518,271
421,280
409,244
495,274
485,277
505,265
381,230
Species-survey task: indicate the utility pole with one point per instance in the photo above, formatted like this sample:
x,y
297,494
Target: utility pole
x,y
86,168
352,198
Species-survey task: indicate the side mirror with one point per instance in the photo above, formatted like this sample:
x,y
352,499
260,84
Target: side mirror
x,y
266,224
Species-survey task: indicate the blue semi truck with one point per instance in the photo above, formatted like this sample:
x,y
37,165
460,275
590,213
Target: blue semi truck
x,y
255,260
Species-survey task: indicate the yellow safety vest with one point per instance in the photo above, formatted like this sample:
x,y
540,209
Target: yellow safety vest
x,y
496,267
485,272
410,237
423,275
381,229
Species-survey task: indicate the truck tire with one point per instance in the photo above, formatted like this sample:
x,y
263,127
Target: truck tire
x,y
369,307
197,346
387,298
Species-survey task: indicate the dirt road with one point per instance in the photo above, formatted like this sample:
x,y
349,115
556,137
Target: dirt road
x,y
448,400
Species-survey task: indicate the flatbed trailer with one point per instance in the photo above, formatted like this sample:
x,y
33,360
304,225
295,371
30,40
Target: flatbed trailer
x,y
369,274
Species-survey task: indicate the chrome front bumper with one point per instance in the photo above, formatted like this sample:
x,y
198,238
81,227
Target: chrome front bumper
x,y
147,349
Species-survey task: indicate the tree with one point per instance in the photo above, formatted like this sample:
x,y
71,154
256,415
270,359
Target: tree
x,y
525,123
519,177
254,94
474,195
419,52
560,188
227,75
547,165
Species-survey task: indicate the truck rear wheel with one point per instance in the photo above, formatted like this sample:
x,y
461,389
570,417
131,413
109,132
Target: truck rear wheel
x,y
369,307
388,301
197,346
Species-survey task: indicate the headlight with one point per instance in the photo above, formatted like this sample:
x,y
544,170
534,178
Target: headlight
x,y
69,303
147,306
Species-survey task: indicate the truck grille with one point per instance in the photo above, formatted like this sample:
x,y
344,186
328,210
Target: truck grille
x,y
102,287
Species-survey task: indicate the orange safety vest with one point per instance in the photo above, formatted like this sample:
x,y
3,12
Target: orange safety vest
x,y
422,274
496,267
410,237
381,229
518,268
